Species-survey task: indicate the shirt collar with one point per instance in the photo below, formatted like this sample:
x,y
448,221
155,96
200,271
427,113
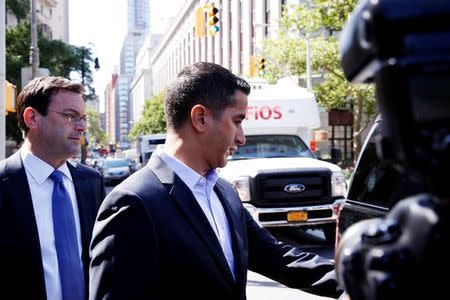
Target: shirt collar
x,y
189,176
39,169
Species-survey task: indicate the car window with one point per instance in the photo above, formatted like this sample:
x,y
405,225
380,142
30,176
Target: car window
x,y
115,163
377,182
272,146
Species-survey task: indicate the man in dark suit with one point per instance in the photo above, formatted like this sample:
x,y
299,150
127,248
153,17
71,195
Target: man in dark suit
x,y
36,239
173,228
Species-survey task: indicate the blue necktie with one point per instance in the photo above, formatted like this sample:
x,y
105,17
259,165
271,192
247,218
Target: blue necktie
x,y
69,264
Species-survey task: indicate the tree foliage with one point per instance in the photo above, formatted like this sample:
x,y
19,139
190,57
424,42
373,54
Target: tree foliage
x,y
286,55
60,58
96,134
153,119
19,8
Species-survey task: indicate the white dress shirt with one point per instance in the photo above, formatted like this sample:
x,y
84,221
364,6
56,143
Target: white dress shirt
x,y
41,188
203,190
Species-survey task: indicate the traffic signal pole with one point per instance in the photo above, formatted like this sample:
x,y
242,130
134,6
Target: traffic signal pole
x,y
2,79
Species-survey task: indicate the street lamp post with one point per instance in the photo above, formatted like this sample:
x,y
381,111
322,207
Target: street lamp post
x,y
34,50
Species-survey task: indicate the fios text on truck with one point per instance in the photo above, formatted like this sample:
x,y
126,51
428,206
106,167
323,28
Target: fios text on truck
x,y
264,112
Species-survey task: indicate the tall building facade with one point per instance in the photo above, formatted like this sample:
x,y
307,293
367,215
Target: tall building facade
x,y
110,110
142,83
138,20
243,24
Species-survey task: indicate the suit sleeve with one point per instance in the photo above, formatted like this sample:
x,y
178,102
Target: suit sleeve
x,y
124,251
289,265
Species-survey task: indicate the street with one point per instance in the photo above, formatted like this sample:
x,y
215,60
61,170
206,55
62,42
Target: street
x,y
260,287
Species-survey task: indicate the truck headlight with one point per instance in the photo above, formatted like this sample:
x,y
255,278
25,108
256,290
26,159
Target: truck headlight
x,y
242,185
338,185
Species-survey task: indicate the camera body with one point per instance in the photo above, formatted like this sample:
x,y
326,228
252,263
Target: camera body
x,y
403,46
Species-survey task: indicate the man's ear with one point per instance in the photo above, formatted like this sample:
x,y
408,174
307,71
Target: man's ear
x,y
198,117
30,117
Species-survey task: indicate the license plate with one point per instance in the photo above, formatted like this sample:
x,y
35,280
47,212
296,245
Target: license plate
x,y
295,216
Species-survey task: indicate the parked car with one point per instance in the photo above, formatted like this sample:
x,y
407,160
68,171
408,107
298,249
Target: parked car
x,y
375,186
114,169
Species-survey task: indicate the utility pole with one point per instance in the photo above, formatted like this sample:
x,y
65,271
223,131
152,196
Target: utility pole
x,y
308,63
2,78
34,50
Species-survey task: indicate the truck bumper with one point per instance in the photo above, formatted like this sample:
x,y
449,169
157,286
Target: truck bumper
x,y
296,216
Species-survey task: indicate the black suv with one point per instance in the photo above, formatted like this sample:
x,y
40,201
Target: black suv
x,y
375,186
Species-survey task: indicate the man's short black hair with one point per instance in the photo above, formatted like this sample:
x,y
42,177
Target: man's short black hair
x,y
202,83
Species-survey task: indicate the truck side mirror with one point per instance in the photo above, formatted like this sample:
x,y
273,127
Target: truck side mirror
x,y
336,155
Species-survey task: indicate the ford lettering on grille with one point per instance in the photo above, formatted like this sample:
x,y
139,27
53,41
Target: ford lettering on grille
x,y
294,188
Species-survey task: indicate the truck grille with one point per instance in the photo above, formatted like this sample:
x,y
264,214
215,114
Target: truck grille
x,y
270,189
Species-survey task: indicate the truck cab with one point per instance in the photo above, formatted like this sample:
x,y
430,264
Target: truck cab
x,y
280,181
147,144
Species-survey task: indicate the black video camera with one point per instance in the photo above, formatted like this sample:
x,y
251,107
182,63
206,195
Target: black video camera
x,y
403,46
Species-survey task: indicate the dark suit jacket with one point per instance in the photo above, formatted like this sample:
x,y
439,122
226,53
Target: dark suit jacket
x,y
151,240
20,254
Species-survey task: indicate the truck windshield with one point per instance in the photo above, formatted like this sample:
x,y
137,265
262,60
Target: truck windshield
x,y
266,146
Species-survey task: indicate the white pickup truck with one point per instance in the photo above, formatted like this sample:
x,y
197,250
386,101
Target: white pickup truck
x,y
279,179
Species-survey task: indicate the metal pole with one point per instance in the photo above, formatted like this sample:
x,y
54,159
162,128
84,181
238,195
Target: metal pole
x,y
2,78
308,64
34,50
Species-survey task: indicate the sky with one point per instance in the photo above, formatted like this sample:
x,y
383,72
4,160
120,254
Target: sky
x,y
101,25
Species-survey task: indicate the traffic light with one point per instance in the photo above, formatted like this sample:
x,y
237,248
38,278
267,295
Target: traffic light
x,y
252,67
261,65
213,19
10,97
200,22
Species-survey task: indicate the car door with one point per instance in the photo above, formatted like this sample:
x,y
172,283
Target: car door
x,y
375,185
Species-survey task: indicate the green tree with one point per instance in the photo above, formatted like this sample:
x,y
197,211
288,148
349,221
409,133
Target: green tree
x,y
286,55
60,58
19,8
152,119
96,133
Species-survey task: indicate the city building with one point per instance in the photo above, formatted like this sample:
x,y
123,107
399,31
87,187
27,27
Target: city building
x,y
138,28
191,37
110,110
242,26
142,83
52,18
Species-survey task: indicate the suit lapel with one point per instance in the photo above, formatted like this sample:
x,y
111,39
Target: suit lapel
x,y
192,211
79,182
20,196
236,237
83,194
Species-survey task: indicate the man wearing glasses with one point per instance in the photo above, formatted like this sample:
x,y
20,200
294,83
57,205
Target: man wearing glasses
x,y
47,204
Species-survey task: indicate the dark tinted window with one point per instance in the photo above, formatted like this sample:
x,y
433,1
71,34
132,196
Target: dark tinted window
x,y
376,182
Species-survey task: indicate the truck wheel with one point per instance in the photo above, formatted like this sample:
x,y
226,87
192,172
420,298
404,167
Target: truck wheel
x,y
329,231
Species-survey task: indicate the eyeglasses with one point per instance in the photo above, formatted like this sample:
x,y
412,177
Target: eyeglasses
x,y
72,118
